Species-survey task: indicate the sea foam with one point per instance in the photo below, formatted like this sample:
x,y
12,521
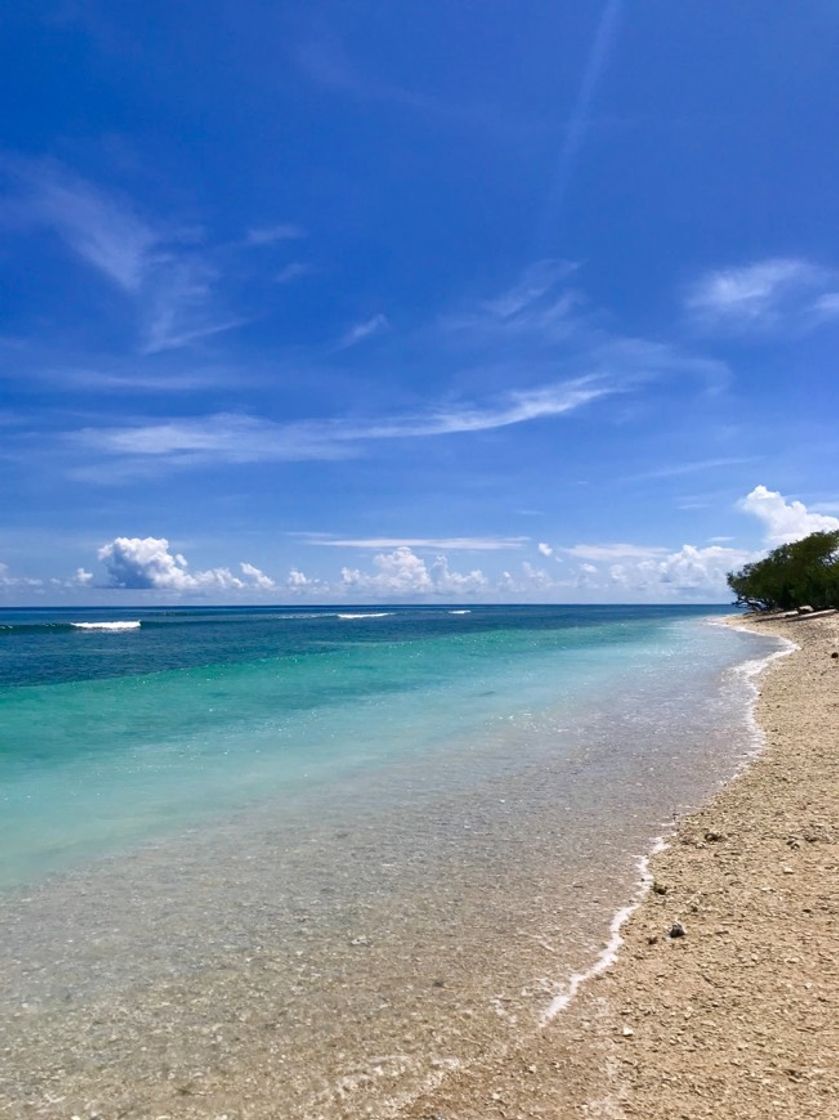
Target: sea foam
x,y
750,670
111,626
609,953
368,614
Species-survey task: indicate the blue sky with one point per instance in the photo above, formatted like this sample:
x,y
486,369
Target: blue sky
x,y
527,301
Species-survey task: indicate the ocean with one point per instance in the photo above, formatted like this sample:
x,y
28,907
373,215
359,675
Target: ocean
x,y
324,855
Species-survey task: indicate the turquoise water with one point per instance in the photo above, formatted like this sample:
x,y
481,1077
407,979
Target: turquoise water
x,y
265,855
114,736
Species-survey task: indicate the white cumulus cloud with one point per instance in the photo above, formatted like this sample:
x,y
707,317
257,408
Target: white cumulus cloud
x,y
784,521
691,570
257,577
146,563
7,580
535,578
528,582
687,573
298,583
447,582
403,573
297,580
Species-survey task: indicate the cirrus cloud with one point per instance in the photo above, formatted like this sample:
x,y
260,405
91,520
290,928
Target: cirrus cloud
x,y
236,438
160,269
458,544
762,295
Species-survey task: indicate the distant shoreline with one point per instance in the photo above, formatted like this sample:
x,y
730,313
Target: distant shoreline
x,y
740,1016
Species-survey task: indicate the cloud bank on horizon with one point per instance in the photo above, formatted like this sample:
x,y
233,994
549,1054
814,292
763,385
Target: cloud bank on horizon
x,y
369,316
635,572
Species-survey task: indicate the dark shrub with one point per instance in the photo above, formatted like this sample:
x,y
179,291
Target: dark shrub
x,y
804,572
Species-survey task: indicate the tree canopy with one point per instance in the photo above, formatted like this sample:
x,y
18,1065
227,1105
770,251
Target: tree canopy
x,y
804,572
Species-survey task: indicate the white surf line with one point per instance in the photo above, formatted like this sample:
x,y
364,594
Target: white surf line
x,y
392,1107
609,954
112,626
751,670
369,614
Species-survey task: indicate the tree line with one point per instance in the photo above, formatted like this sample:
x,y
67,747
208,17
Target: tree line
x,y
805,572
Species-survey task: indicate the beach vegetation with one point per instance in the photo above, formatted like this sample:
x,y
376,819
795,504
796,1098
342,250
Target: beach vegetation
x,y
804,572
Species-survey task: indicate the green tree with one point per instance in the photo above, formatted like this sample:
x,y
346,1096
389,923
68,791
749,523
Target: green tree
x,y
804,572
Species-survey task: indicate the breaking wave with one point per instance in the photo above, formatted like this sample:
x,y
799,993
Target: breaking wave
x,y
368,614
109,626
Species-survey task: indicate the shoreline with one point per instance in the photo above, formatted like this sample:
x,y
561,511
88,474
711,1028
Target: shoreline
x,y
567,1062
741,1012
752,669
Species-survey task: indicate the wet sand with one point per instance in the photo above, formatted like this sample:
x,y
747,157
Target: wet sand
x,y
739,1017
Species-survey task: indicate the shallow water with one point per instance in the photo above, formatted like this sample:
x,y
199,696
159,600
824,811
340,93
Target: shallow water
x,y
341,857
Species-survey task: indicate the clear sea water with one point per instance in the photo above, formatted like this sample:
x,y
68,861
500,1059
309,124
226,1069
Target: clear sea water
x,y
419,819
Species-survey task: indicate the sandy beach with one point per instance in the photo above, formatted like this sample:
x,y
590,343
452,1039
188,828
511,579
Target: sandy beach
x,y
739,1017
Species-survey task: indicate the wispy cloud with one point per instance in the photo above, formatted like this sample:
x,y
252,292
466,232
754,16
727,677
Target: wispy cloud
x,y
513,343
226,437
103,230
578,123
177,311
612,551
161,269
535,282
239,438
326,62
541,317
827,305
456,544
98,381
538,304
766,294
271,235
696,466
293,271
518,408
360,331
